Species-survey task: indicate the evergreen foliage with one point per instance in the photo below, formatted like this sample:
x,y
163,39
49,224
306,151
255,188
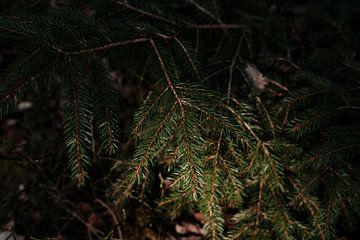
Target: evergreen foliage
x,y
253,109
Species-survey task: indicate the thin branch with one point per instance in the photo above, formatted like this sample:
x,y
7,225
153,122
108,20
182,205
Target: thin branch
x,y
14,31
148,149
205,11
146,114
222,26
213,186
271,124
230,175
197,42
258,208
278,84
215,73
15,70
183,115
113,215
282,59
351,66
80,175
166,74
188,57
231,68
61,201
171,54
107,46
333,151
241,121
145,13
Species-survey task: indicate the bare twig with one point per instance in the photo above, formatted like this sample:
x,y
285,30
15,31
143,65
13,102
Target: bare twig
x,y
221,26
108,46
351,66
231,69
62,202
145,13
258,208
205,11
188,57
113,215
278,85
283,59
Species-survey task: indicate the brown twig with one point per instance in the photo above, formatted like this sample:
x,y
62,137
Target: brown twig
x,y
258,208
145,13
231,68
113,215
62,201
205,11
221,26
108,46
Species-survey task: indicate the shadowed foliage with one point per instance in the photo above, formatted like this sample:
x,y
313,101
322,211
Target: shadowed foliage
x,y
249,110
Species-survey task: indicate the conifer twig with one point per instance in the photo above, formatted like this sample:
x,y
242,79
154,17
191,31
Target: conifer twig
x,y
271,124
107,46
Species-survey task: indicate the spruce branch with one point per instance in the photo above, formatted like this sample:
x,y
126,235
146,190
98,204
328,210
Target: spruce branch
x,y
146,110
217,147
215,223
22,77
15,69
106,106
77,122
146,149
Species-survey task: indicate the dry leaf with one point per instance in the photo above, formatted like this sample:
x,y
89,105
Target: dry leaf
x,y
187,228
199,217
258,80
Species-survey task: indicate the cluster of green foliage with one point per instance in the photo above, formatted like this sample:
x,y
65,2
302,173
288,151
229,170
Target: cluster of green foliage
x,y
275,147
